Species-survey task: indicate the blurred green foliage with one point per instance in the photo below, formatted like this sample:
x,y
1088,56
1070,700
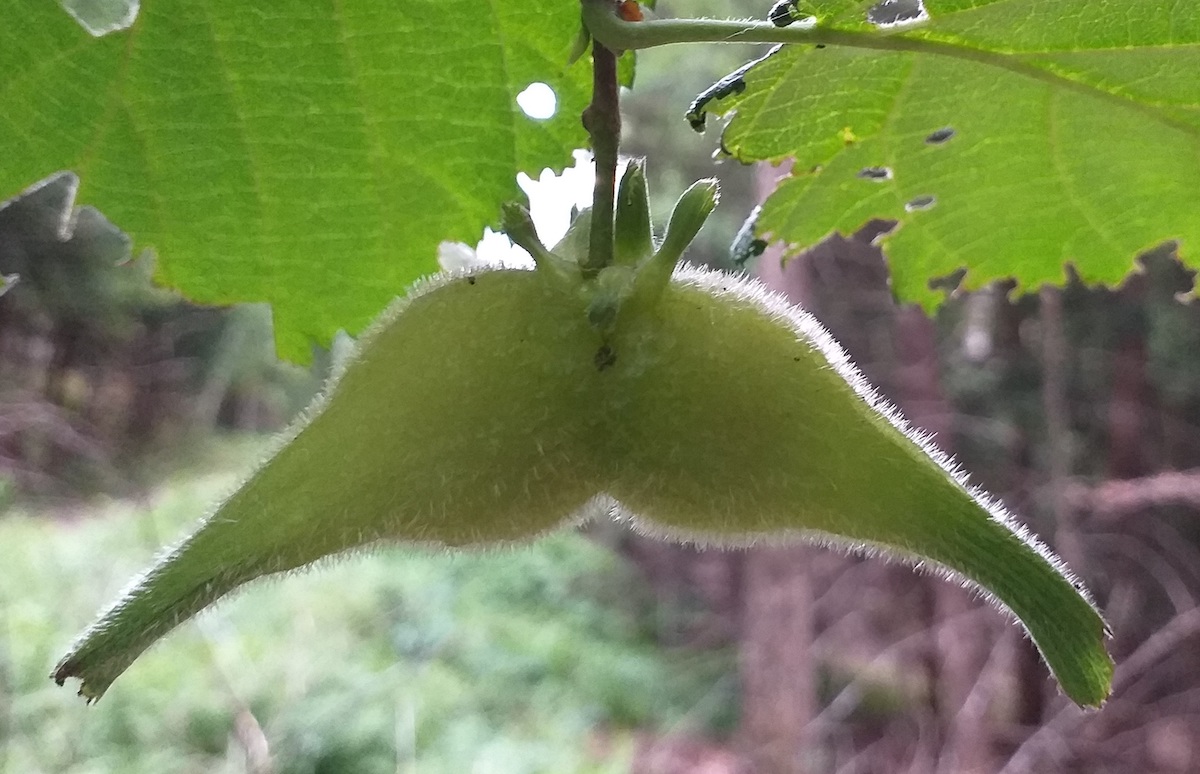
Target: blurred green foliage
x,y
538,659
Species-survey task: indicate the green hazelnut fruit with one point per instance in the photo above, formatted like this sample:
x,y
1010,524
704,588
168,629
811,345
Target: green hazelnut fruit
x,y
489,407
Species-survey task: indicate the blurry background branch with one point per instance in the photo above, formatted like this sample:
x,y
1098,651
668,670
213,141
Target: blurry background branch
x,y
1124,497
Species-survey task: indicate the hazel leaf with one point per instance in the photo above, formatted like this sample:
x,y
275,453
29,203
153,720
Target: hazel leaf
x,y
1018,135
309,155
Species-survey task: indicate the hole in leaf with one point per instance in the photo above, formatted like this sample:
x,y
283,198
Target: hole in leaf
x,y
787,12
889,14
875,230
538,101
950,283
723,153
920,203
100,17
940,136
875,174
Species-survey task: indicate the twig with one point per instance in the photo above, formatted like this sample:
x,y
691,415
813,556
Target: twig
x,y
1115,499
1151,651
1154,564
602,119
1156,647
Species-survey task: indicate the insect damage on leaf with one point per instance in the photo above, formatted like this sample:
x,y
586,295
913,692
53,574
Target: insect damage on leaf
x,y
924,202
491,406
788,12
100,17
940,136
734,83
877,174
890,14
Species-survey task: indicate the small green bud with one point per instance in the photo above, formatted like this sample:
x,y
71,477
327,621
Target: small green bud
x,y
517,223
690,213
576,243
692,209
633,239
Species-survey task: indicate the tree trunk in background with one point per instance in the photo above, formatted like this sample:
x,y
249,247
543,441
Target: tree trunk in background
x,y
1015,484
1056,407
960,645
776,660
1059,529
1127,410
778,689
1132,395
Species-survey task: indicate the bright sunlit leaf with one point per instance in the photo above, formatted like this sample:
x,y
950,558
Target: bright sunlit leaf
x,y
312,155
1016,136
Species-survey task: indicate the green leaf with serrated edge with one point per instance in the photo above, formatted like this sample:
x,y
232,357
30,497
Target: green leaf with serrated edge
x,y
511,425
311,155
1074,136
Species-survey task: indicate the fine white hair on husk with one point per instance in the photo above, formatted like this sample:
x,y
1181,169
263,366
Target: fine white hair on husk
x,y
421,287
774,305
599,506
736,291
748,292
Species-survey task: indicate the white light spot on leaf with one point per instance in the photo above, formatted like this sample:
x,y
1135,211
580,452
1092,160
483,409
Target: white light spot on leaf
x,y
100,17
538,101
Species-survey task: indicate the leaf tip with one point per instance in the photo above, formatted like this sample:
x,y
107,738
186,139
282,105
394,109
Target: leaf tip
x,y
90,688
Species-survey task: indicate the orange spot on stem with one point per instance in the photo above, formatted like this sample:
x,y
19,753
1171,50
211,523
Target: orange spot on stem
x,y
630,11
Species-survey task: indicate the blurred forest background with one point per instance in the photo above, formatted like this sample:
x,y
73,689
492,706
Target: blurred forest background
x,y
124,411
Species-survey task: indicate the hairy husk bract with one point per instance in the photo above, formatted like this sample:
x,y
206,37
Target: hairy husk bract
x,y
491,406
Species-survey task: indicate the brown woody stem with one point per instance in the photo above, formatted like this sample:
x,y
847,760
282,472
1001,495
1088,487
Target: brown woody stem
x,y
602,119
